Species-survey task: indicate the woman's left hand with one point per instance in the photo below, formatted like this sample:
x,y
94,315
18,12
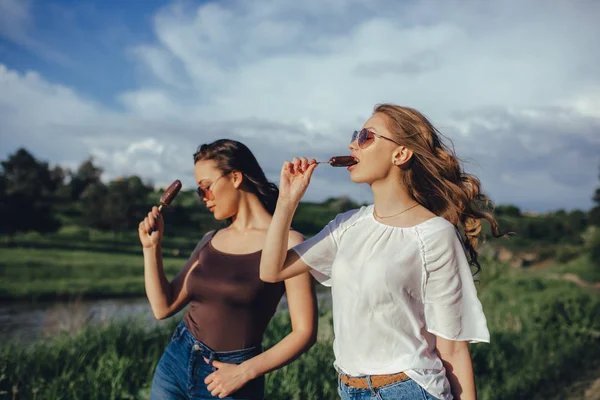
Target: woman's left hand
x,y
228,378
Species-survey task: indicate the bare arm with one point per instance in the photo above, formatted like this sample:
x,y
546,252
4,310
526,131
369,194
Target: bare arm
x,y
166,298
277,263
459,368
302,305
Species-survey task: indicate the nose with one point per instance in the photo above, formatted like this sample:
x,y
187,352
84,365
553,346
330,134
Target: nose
x,y
353,145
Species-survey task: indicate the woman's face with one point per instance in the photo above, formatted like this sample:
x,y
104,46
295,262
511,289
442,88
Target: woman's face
x,y
216,190
375,158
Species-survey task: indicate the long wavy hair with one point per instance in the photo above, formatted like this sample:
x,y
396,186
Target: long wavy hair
x,y
231,155
435,177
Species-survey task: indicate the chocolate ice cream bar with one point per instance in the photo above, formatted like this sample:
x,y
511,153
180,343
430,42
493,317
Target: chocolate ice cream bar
x,y
342,161
169,194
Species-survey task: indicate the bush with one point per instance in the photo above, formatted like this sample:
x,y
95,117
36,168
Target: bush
x,y
117,361
544,332
565,254
595,248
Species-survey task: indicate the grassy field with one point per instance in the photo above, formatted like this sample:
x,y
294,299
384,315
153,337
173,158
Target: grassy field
x,y
545,333
72,263
49,273
79,263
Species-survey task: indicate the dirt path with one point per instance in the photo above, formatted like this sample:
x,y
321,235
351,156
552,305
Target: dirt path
x,y
578,281
593,392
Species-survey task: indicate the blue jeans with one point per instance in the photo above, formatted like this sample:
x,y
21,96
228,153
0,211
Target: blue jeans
x,y
181,371
402,390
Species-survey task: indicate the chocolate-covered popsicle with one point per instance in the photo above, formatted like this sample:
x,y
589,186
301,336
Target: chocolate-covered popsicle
x,y
169,194
341,161
167,197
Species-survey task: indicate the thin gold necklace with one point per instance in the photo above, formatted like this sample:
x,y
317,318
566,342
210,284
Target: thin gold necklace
x,y
393,215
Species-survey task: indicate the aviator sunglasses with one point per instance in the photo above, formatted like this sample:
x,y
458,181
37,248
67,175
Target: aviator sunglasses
x,y
366,137
205,191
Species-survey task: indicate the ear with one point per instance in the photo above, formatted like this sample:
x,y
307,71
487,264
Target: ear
x,y
238,178
401,156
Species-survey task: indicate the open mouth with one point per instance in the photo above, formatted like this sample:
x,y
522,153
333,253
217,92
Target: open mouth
x,y
351,167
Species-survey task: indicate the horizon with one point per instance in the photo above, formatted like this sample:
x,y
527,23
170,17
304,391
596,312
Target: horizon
x,y
138,85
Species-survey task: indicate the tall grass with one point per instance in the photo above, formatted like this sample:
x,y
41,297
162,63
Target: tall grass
x,y
117,361
544,333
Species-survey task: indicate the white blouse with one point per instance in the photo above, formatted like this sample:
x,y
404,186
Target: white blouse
x,y
393,291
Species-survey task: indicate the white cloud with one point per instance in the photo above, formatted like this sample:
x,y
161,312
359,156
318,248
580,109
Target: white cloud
x,y
509,81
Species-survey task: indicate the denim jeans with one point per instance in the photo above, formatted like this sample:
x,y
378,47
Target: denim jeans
x,y
402,390
181,371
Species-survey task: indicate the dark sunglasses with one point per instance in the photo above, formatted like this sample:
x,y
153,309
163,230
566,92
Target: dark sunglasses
x,y
365,137
205,191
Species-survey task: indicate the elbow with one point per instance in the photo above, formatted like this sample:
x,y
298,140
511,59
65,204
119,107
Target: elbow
x,y
160,314
308,337
268,278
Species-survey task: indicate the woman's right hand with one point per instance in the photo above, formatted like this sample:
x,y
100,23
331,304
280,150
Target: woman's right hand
x,y
295,177
154,219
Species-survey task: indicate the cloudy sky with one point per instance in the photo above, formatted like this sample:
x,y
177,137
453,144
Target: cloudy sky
x,y
140,84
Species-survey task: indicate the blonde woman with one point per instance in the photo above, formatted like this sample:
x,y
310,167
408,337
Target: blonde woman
x,y
404,301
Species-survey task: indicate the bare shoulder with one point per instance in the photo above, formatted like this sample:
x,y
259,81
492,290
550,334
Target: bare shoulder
x,y
295,238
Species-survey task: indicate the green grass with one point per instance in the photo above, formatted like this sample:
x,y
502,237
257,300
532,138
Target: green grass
x,y
77,238
50,273
77,262
544,330
117,361
581,266
544,336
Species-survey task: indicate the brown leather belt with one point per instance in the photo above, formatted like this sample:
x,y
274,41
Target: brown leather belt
x,y
377,381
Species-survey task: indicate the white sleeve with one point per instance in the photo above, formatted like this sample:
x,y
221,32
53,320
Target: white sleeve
x,y
319,251
452,309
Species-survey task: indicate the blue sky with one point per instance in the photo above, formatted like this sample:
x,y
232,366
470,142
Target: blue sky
x,y
79,43
140,84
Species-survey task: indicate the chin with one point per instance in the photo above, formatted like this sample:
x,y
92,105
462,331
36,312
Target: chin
x,y
219,216
357,177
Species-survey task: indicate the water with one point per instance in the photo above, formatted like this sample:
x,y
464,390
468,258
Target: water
x,y
25,321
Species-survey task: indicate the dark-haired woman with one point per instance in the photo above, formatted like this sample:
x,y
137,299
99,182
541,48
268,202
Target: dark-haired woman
x,y
404,302
216,350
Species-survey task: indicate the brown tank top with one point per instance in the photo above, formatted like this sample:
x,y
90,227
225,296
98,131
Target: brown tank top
x,y
230,306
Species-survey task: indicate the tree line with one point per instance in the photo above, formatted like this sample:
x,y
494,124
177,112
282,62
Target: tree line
x,y
35,196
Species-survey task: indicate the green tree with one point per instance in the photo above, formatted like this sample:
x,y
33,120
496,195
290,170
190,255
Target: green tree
x,y
93,201
595,247
87,174
594,217
576,222
126,203
28,189
508,211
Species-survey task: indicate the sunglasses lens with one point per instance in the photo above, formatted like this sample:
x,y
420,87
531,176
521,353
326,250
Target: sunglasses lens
x,y
201,193
365,138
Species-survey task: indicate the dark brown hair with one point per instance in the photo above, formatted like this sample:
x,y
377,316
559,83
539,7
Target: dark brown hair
x,y
231,155
435,177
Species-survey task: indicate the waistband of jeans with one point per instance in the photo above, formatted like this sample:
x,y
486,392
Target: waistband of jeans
x,y
184,331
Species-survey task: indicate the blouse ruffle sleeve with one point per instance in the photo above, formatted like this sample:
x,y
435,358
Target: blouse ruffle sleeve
x,y
452,309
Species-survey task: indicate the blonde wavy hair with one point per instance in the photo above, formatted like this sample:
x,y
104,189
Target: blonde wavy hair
x,y
435,177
